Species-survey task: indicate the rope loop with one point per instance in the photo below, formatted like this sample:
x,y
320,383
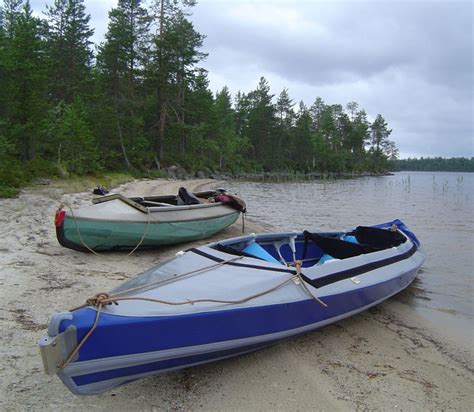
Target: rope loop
x,y
100,299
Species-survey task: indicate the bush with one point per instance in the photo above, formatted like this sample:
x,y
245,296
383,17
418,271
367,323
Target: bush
x,y
42,168
6,191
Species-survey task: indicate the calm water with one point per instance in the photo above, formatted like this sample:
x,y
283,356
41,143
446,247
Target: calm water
x,y
438,207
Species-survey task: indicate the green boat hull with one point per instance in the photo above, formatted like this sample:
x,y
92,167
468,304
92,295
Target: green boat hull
x,y
108,235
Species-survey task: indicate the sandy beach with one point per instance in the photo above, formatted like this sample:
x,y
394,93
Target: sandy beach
x,y
388,358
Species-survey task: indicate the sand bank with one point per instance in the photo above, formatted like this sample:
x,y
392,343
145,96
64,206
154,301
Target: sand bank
x,y
384,359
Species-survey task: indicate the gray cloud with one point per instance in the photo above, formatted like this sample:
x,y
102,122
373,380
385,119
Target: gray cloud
x,y
409,61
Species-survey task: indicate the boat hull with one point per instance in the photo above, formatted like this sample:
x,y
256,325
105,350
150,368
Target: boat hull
x,y
99,235
200,338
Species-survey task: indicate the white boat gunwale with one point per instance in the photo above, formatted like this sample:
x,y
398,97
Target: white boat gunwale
x,y
153,215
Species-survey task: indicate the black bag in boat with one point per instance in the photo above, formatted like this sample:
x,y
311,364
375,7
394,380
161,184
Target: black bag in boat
x,y
185,197
370,240
378,238
337,248
99,190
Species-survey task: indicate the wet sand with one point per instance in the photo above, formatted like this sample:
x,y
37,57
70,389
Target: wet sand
x,y
387,358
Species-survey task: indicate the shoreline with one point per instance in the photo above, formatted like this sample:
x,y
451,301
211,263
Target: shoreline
x,y
388,357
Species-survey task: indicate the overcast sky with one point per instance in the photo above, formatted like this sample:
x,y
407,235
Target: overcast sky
x,y
411,61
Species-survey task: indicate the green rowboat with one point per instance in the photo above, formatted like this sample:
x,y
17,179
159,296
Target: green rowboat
x,y
116,222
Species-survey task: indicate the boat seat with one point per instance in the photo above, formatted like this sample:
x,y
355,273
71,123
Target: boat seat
x,y
185,197
232,251
255,250
363,239
335,247
325,258
378,238
349,238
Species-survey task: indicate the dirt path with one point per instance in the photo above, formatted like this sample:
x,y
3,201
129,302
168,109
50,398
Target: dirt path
x,y
383,359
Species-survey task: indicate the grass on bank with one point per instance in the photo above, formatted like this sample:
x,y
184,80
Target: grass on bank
x,y
76,184
71,184
14,176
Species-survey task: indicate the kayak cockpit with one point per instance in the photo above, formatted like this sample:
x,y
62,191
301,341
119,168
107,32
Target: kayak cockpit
x,y
313,248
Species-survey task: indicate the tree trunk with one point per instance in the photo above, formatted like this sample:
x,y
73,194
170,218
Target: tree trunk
x,y
161,132
120,135
122,145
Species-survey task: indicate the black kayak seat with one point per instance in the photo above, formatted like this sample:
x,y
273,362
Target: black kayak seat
x,y
185,197
337,248
370,240
379,238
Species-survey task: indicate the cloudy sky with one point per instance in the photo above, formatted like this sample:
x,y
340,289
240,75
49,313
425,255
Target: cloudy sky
x,y
411,61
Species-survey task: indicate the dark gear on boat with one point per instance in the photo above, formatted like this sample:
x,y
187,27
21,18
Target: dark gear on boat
x,y
185,197
378,238
232,201
370,240
99,190
335,247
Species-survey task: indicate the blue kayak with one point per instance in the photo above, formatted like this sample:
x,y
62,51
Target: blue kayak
x,y
227,298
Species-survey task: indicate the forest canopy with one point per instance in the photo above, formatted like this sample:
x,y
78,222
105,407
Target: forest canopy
x,y
140,101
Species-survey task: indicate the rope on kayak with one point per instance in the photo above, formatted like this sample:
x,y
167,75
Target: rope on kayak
x,y
84,339
102,299
298,264
160,282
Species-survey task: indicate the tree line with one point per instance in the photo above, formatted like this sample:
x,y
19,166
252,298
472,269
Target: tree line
x,y
140,101
434,164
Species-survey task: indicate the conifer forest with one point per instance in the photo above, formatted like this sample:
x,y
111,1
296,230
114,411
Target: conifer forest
x,y
140,101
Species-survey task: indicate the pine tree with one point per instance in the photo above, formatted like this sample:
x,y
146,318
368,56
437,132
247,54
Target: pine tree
x,y
194,141
9,13
231,147
261,124
24,83
242,110
286,118
171,65
120,61
379,141
302,140
70,54
360,135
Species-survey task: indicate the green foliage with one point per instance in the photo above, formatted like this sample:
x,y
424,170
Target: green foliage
x,y
42,168
73,139
24,84
15,174
12,176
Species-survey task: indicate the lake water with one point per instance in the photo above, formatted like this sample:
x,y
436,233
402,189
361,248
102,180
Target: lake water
x,y
438,207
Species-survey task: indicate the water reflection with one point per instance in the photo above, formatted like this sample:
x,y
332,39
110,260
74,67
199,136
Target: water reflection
x,y
415,294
